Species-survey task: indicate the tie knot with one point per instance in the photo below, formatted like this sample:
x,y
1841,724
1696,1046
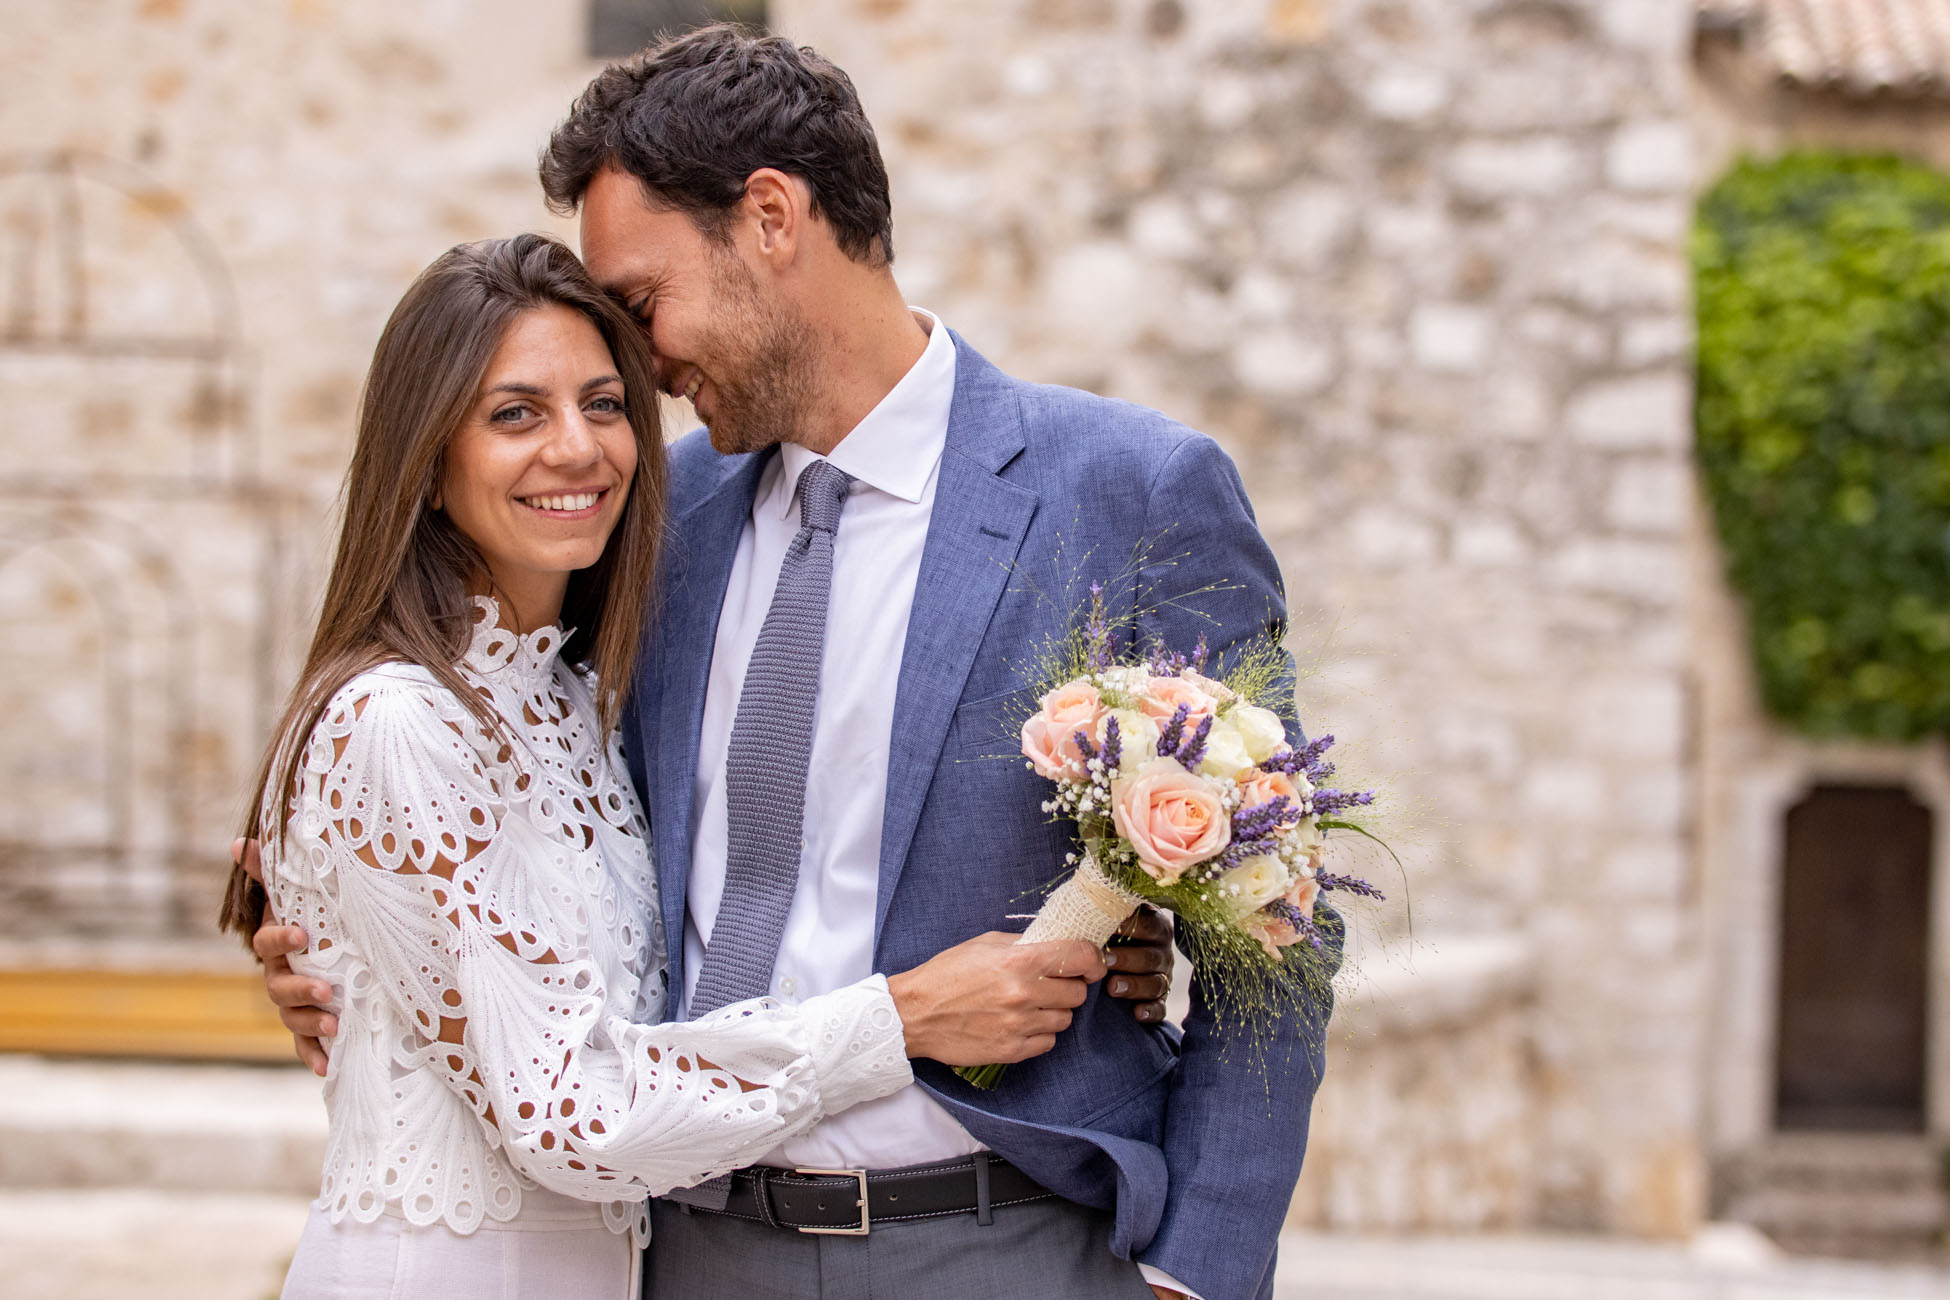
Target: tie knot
x,y
822,492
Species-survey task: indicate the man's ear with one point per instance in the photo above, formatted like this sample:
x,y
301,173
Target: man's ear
x,y
781,206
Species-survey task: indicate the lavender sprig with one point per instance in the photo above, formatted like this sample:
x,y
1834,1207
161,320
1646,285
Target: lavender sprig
x,y
1084,747
1113,752
1200,653
1302,924
1192,752
1347,884
1329,802
1174,732
1261,820
1096,631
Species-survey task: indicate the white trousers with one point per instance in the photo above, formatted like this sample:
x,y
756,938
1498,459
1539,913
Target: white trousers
x,y
555,1247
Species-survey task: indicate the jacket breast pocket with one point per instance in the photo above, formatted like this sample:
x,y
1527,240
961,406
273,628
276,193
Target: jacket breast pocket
x,y
991,727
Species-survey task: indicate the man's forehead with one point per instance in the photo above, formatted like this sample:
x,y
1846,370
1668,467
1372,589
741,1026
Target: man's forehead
x,y
623,236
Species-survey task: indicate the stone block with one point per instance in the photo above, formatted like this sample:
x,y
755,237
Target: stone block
x,y
1566,790
1388,538
1449,337
1641,719
1525,167
1488,544
1402,93
1650,572
1640,411
1651,496
1655,157
1650,340
1163,227
1283,363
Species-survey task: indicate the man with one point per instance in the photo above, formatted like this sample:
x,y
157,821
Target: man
x,y
732,196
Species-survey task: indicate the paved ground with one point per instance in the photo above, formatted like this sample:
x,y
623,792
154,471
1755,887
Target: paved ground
x,y
108,1244
1726,1262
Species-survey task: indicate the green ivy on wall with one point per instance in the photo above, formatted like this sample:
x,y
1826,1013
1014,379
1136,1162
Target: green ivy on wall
x,y
1823,422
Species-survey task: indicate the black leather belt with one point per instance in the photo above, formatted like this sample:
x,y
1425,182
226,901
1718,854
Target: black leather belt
x,y
849,1202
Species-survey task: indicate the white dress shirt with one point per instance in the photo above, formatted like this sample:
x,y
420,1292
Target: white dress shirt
x,y
894,456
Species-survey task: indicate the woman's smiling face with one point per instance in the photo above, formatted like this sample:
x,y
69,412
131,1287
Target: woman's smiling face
x,y
537,475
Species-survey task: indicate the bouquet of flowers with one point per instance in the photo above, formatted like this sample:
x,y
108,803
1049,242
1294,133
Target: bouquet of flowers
x,y
1186,795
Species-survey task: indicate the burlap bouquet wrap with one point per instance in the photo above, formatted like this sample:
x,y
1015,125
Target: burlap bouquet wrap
x,y
1088,906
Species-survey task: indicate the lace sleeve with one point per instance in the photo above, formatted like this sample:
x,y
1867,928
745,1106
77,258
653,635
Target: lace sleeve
x,y
468,917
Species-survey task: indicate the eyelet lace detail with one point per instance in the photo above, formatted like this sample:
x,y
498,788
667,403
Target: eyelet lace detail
x,y
484,907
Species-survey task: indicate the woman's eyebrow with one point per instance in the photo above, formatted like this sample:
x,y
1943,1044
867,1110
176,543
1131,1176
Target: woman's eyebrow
x,y
600,380
525,390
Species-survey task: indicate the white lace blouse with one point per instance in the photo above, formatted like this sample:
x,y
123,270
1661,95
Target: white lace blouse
x,y
486,912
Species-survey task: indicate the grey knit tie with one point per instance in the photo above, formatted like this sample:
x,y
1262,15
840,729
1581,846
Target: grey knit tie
x,y
771,748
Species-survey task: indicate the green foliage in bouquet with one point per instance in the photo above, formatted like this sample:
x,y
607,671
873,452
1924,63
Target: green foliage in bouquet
x,y
1823,425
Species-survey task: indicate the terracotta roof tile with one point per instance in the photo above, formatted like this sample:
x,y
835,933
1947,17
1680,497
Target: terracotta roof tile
x,y
1857,47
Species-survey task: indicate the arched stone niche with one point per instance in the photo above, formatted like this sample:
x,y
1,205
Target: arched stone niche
x,y
137,546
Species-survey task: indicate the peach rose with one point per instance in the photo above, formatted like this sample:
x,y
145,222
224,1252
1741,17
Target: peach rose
x,y
1172,818
1163,695
1276,932
1049,736
1257,787
1216,689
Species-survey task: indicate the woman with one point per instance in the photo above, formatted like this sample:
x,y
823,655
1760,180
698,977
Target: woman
x,y
443,810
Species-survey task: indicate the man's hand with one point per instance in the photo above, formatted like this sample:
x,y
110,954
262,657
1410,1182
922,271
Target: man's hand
x,y
992,1001
300,999
1140,962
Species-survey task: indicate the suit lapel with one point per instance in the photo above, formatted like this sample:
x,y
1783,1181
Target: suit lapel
x,y
978,525
701,546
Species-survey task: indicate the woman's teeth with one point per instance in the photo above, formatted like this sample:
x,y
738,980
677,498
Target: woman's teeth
x,y
573,501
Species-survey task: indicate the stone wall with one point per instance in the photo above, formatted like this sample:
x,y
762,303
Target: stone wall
x,y
207,207
1416,263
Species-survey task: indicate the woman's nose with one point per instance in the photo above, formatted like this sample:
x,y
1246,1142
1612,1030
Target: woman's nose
x,y
572,442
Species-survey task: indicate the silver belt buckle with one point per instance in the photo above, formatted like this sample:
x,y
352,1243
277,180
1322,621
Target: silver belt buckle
x,y
857,1175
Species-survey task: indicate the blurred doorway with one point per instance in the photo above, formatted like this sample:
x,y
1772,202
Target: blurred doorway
x,y
1855,911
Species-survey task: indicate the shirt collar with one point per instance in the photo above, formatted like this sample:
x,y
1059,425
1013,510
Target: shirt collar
x,y
898,445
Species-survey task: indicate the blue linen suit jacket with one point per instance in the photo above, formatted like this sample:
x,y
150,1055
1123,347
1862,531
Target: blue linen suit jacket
x,y
1192,1147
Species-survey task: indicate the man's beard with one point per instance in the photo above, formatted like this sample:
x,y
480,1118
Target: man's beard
x,y
764,378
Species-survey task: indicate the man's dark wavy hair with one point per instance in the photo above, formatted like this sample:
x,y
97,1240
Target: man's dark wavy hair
x,y
694,116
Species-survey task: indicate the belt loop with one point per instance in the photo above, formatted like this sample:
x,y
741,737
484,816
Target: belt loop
x,y
984,1215
762,1184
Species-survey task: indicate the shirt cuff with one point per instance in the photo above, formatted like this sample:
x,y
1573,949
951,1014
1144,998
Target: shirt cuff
x,y
1158,1277
856,1043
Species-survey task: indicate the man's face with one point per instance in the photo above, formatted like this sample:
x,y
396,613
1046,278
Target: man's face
x,y
742,355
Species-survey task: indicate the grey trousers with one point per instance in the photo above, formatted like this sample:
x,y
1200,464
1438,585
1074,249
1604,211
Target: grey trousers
x,y
1054,1249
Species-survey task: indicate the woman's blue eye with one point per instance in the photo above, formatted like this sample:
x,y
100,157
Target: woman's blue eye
x,y
613,405
509,414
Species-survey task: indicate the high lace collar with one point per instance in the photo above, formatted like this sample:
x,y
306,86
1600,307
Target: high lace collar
x,y
499,650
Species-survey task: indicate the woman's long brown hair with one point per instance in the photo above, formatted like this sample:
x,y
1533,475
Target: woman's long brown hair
x,y
399,586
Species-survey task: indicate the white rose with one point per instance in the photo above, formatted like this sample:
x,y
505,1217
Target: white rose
x,y
1253,884
1261,729
1310,840
1225,752
1137,735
